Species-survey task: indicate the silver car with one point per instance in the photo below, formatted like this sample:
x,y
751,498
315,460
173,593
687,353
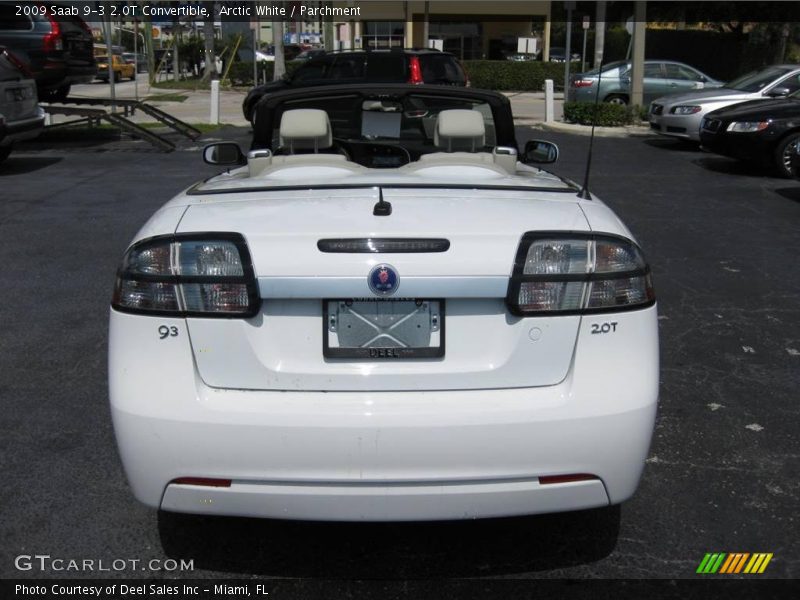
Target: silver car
x,y
21,118
660,77
680,116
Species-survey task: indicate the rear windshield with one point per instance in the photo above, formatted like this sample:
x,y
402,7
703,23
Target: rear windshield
x,y
386,68
608,67
441,68
10,21
757,80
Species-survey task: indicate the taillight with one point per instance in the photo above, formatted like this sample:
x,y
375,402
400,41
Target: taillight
x,y
582,83
556,273
202,275
52,41
21,66
415,71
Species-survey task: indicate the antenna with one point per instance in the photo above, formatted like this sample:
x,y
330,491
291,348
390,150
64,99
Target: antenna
x,y
584,193
382,208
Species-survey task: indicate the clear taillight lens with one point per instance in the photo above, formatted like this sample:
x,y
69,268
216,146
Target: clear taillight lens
x,y
578,273
188,275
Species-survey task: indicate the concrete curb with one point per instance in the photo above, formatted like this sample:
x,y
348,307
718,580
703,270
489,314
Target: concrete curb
x,y
611,132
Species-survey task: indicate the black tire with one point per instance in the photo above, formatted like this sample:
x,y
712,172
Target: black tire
x,y
133,75
617,99
4,152
783,153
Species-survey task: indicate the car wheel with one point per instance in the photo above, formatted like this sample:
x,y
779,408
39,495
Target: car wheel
x,y
4,152
133,75
617,99
783,154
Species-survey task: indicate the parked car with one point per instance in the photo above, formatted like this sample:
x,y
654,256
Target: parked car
x,y
361,66
680,116
558,54
120,68
21,118
385,313
660,77
763,132
522,56
58,50
309,54
138,60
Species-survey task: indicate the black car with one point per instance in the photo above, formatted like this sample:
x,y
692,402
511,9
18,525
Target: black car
x,y
57,49
764,132
366,66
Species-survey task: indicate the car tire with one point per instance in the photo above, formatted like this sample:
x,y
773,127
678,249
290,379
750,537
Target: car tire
x,y
783,154
618,99
4,152
133,75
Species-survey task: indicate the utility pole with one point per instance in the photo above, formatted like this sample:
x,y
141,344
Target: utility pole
x,y
637,65
568,50
599,33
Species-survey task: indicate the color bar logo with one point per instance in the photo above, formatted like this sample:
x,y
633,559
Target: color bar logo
x,y
736,562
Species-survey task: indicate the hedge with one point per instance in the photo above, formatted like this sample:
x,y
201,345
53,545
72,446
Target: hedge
x,y
608,115
241,73
522,76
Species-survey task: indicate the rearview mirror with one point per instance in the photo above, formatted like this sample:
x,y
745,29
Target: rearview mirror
x,y
539,152
778,92
224,153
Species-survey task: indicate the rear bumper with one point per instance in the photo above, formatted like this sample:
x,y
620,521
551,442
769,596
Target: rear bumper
x,y
410,455
24,129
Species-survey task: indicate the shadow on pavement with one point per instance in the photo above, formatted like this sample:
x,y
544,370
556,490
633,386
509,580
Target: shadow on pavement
x,y
17,165
730,166
790,193
673,144
478,548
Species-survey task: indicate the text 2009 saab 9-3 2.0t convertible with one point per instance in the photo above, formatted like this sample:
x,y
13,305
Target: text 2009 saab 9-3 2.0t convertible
x,y
384,312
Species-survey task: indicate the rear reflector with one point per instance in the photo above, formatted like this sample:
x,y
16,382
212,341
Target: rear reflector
x,y
548,479
202,481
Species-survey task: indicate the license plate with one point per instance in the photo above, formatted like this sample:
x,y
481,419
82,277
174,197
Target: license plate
x,y
383,329
16,94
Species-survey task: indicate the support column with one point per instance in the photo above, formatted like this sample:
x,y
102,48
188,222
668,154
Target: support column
x,y
637,63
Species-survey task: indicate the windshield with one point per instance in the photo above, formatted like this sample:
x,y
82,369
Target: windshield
x,y
757,80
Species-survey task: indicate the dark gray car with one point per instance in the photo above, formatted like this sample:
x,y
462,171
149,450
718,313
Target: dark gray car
x,y
661,77
20,115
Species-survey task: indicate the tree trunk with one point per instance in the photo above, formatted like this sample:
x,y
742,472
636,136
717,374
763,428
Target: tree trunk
x,y
147,36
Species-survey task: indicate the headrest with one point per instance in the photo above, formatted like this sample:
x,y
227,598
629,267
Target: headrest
x,y
305,129
459,129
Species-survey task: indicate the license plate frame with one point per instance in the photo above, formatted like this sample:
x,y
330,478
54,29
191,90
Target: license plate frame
x,y
435,308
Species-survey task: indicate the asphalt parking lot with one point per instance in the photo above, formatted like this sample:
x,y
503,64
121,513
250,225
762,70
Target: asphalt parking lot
x,y
721,474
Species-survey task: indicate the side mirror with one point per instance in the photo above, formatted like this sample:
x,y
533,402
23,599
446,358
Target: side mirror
x,y
224,153
778,92
539,152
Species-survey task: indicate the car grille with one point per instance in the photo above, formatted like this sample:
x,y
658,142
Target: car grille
x,y
657,109
711,125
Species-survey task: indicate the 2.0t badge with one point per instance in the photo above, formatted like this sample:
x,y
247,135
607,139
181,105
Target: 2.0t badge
x,y
383,280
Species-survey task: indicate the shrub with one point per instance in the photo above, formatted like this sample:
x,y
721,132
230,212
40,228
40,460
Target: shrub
x,y
523,76
607,115
241,73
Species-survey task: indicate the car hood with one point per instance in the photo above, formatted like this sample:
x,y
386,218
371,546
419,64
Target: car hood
x,y
710,95
760,109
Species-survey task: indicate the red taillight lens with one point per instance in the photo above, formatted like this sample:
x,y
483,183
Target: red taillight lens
x,y
583,83
52,41
17,63
188,275
415,71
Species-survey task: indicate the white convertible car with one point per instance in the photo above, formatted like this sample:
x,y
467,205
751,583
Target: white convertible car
x,y
383,312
